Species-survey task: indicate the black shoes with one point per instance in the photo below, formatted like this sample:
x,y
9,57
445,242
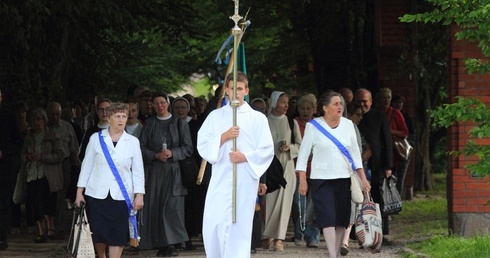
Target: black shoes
x,y
40,240
162,252
189,246
171,251
168,251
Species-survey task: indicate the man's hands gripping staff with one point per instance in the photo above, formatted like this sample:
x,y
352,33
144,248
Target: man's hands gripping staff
x,y
232,133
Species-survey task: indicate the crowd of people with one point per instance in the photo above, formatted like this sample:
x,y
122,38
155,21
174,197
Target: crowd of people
x,y
68,154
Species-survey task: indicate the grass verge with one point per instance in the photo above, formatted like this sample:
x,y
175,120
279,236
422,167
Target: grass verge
x,y
423,227
423,217
452,246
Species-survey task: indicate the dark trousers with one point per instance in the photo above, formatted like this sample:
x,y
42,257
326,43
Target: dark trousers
x,y
16,214
400,171
257,226
8,176
61,223
378,198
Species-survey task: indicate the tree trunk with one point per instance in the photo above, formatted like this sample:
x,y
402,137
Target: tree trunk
x,y
423,168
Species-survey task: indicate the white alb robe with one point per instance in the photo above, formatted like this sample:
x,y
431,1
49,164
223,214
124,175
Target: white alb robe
x,y
223,238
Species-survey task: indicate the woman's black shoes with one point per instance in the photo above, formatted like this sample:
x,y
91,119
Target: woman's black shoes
x,y
40,240
168,251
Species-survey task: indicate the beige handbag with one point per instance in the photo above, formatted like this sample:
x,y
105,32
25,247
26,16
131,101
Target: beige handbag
x,y
356,188
83,247
355,185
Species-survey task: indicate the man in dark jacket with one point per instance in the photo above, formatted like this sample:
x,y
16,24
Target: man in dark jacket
x,y
375,127
10,146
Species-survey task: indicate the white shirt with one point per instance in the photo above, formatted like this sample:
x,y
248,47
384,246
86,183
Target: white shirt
x,y
328,162
96,176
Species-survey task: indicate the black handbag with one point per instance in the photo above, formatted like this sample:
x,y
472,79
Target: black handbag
x,y
275,176
392,201
188,166
188,171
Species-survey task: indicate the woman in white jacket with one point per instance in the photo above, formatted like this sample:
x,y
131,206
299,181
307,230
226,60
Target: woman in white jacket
x,y
107,210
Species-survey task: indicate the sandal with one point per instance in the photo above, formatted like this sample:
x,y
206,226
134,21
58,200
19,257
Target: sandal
x,y
278,246
344,250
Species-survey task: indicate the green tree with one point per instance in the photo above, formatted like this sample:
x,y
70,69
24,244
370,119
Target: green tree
x,y
302,45
473,22
78,49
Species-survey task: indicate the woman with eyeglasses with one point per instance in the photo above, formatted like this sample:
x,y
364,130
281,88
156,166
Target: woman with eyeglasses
x,y
103,123
165,140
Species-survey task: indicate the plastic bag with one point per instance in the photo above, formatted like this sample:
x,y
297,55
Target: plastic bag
x,y
392,201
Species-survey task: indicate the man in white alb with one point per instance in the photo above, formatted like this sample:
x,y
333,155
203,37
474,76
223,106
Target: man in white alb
x,y
223,238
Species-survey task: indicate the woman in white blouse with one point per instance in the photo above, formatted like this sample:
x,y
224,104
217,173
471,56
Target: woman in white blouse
x,y
330,171
107,210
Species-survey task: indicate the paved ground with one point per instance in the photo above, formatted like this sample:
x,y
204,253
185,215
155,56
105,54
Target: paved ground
x,y
22,245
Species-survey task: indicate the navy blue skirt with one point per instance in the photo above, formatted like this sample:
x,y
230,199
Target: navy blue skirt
x,y
332,202
109,220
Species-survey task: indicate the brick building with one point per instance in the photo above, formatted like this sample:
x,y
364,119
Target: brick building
x,y
467,195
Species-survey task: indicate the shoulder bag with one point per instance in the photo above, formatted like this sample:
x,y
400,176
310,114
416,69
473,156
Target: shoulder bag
x,y
356,185
20,191
133,231
401,146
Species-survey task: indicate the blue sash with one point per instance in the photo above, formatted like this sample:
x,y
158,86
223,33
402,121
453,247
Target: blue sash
x,y
132,214
334,140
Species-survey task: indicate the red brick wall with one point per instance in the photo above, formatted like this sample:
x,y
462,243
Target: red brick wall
x,y
391,36
466,194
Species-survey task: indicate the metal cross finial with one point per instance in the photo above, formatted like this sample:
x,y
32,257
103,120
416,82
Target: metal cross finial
x,y
236,18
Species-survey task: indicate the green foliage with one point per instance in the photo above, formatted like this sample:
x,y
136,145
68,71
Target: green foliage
x,y
473,23
476,112
473,20
77,49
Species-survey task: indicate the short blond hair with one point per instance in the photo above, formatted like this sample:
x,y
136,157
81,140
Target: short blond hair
x,y
308,98
117,107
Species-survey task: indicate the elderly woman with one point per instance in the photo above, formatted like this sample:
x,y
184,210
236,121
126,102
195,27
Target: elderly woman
x,y
42,154
330,171
399,130
165,140
107,205
304,228
279,202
